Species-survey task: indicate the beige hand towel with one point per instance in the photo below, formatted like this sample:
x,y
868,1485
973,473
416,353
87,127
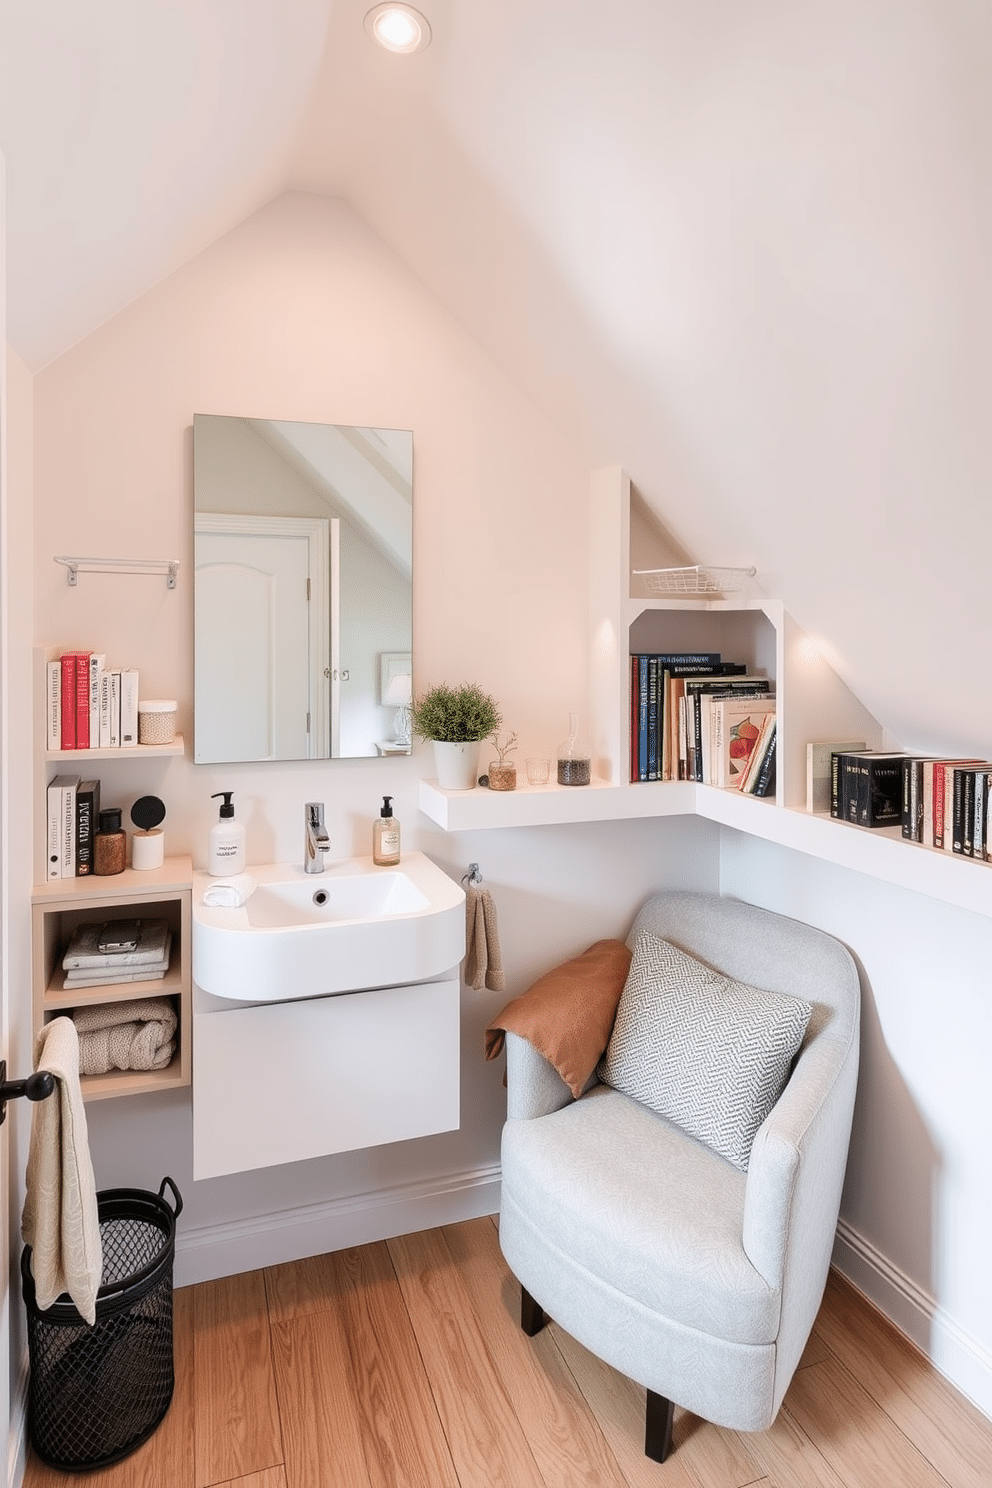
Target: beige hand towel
x,y
483,962
136,1034
60,1220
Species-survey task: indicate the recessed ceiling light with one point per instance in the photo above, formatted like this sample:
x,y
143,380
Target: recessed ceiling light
x,y
398,28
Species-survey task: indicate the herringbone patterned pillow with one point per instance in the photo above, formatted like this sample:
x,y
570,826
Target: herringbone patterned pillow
x,y
709,1053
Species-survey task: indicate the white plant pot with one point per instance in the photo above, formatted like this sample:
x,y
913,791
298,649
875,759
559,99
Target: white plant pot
x,y
457,765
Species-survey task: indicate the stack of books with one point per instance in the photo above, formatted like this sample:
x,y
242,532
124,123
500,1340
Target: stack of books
x,y
697,717
939,802
91,706
73,816
143,957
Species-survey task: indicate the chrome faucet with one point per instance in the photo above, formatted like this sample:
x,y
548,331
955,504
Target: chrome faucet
x,y
316,841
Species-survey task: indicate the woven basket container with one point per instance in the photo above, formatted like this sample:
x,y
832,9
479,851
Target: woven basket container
x,y
95,1394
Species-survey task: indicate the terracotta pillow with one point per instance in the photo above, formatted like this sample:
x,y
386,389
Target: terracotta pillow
x,y
568,1014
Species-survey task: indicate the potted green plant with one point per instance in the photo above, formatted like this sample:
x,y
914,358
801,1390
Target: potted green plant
x,y
456,720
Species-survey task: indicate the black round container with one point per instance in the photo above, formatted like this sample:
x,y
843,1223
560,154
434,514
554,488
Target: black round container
x,y
96,1393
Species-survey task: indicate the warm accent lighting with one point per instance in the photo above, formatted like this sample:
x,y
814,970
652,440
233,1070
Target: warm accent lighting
x,y
398,28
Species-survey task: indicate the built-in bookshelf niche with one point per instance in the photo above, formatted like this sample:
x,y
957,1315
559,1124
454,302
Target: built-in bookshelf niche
x,y
741,635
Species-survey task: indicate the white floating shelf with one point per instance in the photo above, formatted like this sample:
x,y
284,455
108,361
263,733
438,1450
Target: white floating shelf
x,y
881,853
130,753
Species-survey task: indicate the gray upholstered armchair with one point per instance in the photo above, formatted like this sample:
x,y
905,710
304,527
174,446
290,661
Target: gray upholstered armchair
x,y
696,1273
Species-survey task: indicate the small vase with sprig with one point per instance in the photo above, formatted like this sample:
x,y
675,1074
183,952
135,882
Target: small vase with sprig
x,y
502,771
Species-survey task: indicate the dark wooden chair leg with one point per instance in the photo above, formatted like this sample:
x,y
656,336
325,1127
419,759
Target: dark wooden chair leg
x,y
659,1416
532,1318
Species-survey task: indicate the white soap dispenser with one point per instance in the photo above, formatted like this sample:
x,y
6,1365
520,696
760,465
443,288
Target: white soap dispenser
x,y
226,844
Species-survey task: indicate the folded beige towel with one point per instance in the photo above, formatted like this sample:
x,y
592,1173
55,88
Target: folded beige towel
x,y
132,1035
483,962
60,1220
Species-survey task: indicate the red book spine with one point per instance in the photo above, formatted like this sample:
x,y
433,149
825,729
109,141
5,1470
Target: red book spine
x,y
82,700
68,699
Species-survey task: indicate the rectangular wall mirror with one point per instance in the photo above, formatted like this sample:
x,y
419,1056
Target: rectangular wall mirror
x,y
303,616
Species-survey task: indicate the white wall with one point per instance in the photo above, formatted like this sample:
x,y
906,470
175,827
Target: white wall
x,y
917,1206
302,314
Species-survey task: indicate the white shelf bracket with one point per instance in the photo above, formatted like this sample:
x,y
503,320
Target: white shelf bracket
x,y
167,566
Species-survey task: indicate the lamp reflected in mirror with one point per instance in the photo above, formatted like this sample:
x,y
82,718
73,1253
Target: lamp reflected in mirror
x,y
398,695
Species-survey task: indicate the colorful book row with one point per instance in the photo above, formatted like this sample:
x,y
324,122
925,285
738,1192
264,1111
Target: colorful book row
x,y
88,705
696,717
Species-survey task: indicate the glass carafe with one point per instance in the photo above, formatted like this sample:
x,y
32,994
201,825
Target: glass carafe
x,y
574,756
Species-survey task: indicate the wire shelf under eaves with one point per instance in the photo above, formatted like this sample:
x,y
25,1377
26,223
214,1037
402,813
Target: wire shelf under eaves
x,y
697,578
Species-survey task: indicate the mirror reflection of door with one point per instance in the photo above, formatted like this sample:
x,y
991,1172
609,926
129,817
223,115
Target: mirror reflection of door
x,y
265,595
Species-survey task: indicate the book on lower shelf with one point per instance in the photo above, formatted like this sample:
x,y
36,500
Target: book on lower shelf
x,y
736,725
872,787
87,821
83,951
758,778
820,755
85,965
61,827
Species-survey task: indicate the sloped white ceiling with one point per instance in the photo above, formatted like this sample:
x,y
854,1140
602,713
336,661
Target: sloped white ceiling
x,y
136,132
741,248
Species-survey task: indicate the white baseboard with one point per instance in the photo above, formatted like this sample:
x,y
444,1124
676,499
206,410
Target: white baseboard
x,y
962,1360
358,1219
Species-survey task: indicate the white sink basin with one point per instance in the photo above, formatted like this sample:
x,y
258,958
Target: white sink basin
x,y
352,927
316,899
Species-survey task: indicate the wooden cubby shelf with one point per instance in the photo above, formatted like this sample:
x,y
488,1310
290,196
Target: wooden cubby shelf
x,y
59,906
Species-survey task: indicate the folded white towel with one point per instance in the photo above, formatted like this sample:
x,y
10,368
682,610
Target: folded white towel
x,y
60,1220
229,893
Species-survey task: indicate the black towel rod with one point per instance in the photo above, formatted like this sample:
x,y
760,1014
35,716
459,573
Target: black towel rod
x,y
36,1087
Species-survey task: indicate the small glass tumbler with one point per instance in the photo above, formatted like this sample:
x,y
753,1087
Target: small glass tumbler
x,y
538,771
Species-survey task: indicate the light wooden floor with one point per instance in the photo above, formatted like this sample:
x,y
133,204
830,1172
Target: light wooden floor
x,y
402,1365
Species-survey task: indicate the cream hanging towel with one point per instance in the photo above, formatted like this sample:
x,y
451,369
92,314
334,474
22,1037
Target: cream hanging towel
x,y
483,962
60,1220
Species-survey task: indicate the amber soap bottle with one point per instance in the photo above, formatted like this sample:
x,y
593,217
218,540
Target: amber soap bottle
x,y
386,836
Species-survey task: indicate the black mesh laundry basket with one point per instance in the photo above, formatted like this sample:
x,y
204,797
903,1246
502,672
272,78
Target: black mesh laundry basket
x,y
96,1393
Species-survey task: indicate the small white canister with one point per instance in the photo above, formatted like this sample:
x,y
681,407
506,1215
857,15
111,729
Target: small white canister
x,y
157,721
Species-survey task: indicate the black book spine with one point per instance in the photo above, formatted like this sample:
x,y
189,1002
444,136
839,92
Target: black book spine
x,y
851,787
880,793
957,811
765,783
968,814
836,785
912,800
87,812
